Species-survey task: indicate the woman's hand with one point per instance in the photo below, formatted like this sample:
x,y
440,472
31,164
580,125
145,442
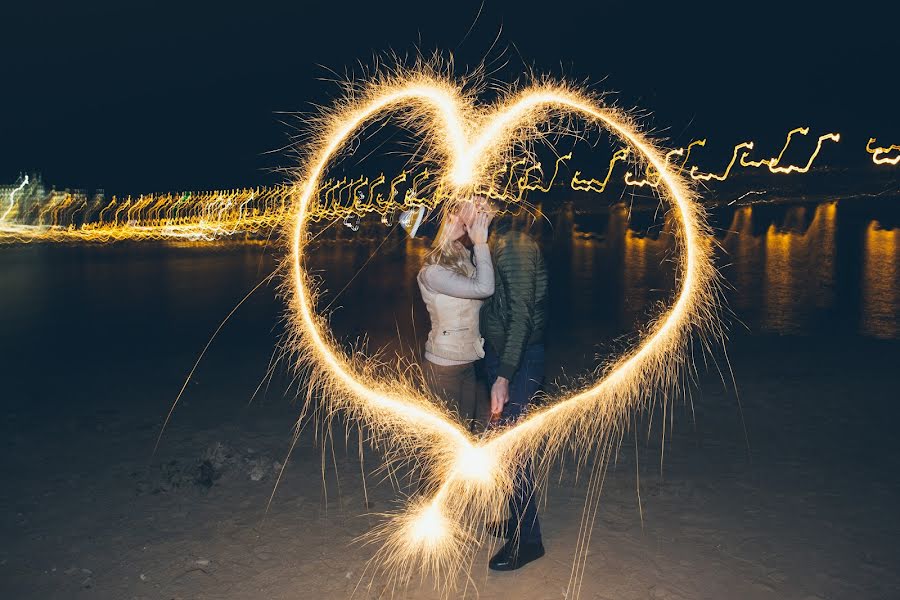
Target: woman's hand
x,y
478,228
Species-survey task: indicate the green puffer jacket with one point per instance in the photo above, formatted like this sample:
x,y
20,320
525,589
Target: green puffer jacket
x,y
514,317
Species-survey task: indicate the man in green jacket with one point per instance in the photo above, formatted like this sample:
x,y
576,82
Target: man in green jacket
x,y
512,324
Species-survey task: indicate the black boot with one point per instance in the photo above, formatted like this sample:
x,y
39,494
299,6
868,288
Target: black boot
x,y
515,555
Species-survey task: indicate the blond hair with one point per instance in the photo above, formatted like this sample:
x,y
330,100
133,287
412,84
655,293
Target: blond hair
x,y
452,255
448,253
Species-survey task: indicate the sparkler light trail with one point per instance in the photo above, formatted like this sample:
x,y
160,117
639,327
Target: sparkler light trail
x,y
468,478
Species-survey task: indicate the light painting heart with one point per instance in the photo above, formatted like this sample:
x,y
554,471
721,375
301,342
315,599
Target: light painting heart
x,y
469,478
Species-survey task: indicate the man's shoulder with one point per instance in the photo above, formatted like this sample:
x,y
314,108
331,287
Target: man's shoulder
x,y
516,241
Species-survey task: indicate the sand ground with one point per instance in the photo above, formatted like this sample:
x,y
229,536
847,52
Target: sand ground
x,y
808,512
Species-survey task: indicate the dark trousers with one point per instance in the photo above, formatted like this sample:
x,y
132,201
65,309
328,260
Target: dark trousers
x,y
526,382
457,387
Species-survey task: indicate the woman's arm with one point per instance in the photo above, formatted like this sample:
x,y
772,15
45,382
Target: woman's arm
x,y
445,281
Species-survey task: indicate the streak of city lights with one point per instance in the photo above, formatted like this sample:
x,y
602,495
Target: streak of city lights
x,y
877,153
12,198
233,214
652,178
598,185
775,168
773,164
468,478
203,216
734,156
687,152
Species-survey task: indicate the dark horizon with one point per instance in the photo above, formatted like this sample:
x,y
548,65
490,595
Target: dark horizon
x,y
146,99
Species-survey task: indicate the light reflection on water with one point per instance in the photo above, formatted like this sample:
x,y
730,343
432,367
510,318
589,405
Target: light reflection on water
x,y
791,264
881,296
800,275
802,269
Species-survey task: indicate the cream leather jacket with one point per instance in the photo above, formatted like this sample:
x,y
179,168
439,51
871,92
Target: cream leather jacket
x,y
454,301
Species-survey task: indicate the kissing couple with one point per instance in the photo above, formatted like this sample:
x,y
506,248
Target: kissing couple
x,y
484,284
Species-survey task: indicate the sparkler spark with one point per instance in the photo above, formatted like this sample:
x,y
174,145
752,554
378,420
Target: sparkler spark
x,y
469,478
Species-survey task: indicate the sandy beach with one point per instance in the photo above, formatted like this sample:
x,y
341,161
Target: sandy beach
x,y
807,510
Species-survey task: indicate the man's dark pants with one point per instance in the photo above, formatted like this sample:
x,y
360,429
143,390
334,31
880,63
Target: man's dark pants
x,y
526,382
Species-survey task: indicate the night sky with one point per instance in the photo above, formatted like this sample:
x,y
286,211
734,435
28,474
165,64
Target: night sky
x,y
141,97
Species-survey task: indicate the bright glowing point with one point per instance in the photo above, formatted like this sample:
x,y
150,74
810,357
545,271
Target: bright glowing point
x,y
429,527
475,464
462,175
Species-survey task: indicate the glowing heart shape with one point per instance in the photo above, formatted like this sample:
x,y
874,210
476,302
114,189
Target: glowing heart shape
x,y
471,477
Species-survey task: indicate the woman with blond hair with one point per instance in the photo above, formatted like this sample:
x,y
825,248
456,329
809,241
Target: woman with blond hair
x,y
453,287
